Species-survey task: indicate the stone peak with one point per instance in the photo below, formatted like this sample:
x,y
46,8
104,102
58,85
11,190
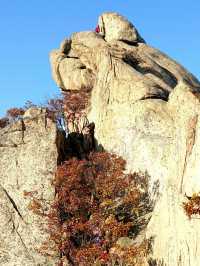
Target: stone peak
x,y
116,27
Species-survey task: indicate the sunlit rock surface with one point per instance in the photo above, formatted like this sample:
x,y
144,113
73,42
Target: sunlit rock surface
x,y
146,108
27,165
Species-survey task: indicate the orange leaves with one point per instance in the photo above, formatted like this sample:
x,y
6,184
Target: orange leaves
x,y
114,229
15,113
30,193
192,206
92,208
76,101
36,207
95,204
86,256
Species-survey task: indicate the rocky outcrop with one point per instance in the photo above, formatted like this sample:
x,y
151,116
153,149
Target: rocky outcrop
x,y
27,165
146,108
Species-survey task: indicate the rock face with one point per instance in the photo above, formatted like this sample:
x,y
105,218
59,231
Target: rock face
x,y
146,108
27,164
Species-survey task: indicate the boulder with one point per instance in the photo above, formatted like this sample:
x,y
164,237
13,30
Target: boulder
x,y
27,165
145,107
33,112
116,27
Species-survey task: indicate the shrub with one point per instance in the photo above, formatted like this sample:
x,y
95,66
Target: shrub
x,y
76,101
95,205
53,106
192,206
55,110
15,113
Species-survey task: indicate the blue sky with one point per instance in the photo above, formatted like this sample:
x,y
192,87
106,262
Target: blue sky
x,y
31,29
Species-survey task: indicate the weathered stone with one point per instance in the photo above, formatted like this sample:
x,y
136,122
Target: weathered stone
x,y
92,60
33,112
125,242
116,27
27,164
56,57
146,108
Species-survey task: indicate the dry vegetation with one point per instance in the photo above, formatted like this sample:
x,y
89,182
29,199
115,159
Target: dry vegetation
x,y
95,205
192,206
76,101
54,110
69,102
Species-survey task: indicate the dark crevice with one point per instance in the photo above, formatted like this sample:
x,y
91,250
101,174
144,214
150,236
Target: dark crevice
x,y
79,145
45,119
75,144
21,239
131,61
162,74
82,67
23,129
14,145
12,202
161,97
131,43
61,144
154,262
74,57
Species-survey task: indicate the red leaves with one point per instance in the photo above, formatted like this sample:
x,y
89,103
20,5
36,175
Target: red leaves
x,y
104,256
76,101
15,113
36,207
82,222
192,207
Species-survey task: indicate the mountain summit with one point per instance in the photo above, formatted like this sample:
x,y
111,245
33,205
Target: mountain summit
x,y
146,108
59,201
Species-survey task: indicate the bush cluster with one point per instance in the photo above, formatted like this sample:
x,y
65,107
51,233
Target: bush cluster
x,y
54,110
95,205
192,206
76,101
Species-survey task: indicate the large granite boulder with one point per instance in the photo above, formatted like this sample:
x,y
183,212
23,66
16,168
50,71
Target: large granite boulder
x,y
28,162
146,108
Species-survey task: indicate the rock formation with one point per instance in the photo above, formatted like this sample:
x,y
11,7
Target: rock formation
x,y
146,108
27,165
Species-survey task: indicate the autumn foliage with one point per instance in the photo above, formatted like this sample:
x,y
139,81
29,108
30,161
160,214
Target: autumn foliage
x,y
54,111
12,115
192,206
95,205
15,113
76,101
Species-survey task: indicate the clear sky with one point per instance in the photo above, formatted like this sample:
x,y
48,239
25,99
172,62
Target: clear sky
x,y
30,29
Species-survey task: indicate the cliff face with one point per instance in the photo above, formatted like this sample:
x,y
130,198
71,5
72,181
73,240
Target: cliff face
x,y
27,165
146,108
